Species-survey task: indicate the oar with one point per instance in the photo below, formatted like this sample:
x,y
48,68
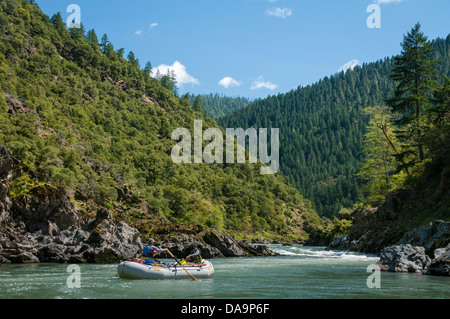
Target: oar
x,y
193,278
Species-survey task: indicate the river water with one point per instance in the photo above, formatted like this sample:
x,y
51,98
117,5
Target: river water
x,y
299,273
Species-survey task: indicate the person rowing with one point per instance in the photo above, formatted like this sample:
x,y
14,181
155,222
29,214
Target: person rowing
x,y
195,256
151,250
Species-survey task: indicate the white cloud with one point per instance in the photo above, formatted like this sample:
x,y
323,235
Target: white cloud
x,y
154,24
138,32
278,12
226,82
180,72
259,83
387,1
349,65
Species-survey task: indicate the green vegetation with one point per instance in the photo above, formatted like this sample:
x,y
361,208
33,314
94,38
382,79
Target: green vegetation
x,y
84,117
379,174
24,184
407,146
322,129
217,106
415,75
414,132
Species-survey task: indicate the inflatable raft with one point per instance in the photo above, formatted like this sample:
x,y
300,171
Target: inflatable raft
x,y
136,270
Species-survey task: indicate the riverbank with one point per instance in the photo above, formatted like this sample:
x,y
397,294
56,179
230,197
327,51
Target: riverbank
x,y
43,223
423,250
296,273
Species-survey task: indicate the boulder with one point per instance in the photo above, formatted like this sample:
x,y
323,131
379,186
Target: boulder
x,y
340,243
180,246
440,265
112,241
23,258
432,236
258,250
404,258
45,226
226,245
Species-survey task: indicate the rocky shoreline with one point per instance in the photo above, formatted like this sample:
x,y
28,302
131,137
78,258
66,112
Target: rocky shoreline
x,y
45,226
103,240
398,232
424,250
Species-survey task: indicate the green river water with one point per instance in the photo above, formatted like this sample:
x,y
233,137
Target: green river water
x,y
298,273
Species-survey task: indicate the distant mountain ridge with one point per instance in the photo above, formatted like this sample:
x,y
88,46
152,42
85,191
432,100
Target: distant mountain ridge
x,y
322,128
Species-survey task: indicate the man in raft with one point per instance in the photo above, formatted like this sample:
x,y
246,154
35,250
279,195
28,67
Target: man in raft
x,y
195,256
151,250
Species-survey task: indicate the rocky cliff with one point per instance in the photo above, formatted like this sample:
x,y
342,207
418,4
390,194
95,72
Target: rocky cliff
x,y
39,222
391,232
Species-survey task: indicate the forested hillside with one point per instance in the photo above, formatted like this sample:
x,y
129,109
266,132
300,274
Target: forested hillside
x,y
322,128
406,172
84,117
217,106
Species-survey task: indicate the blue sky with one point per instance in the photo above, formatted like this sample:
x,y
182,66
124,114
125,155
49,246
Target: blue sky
x,y
255,48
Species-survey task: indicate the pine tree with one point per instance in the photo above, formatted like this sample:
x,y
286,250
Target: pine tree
x,y
198,105
414,74
120,52
440,112
168,80
132,59
379,166
57,21
77,33
92,38
104,43
437,138
148,68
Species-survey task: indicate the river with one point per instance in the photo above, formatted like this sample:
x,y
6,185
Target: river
x,y
298,273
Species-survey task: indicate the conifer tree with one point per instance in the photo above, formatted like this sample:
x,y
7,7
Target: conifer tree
x,y
77,32
198,105
104,43
414,74
92,38
57,21
132,58
148,68
440,112
380,148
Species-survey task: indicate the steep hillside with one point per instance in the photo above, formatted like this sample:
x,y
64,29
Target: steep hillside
x,y
322,128
217,106
85,118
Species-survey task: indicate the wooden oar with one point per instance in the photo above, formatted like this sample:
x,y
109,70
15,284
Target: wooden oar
x,y
193,278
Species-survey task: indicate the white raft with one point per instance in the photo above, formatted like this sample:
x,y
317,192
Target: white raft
x,y
135,270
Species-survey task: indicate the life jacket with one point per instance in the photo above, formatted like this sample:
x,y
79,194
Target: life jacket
x,y
147,251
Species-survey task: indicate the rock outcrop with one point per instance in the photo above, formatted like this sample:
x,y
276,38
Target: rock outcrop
x,y
43,225
213,244
425,250
339,243
373,228
432,236
404,258
378,230
440,265
381,230
408,258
